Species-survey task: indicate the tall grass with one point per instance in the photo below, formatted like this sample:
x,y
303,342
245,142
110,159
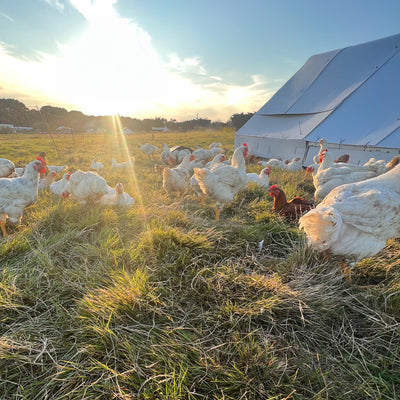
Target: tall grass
x,y
163,302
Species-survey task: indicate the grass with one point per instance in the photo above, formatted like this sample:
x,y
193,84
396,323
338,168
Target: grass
x,y
163,302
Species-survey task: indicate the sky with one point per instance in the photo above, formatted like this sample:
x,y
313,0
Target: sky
x,y
173,59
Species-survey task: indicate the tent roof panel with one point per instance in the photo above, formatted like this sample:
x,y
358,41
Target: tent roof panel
x,y
326,79
370,114
391,140
347,71
289,93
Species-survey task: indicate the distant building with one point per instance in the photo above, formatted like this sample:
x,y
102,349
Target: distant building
x,y
7,128
165,129
24,129
64,129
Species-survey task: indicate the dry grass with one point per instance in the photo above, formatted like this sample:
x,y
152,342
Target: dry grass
x,y
161,301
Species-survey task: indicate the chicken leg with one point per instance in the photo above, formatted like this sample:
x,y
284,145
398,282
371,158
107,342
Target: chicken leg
x,y
3,227
346,268
217,213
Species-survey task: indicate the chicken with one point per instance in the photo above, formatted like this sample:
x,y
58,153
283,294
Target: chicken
x,y
261,179
165,154
123,165
177,153
7,167
207,155
194,184
57,187
148,149
196,164
274,163
343,158
214,145
85,186
331,175
223,182
176,180
323,145
218,159
57,168
20,170
96,165
45,183
381,166
18,193
392,163
292,209
355,220
295,165
117,197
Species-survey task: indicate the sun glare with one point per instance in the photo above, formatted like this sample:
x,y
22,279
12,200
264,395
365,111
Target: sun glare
x,y
120,138
112,68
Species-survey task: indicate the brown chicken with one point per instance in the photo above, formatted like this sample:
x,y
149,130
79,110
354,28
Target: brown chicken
x,y
291,210
391,164
344,158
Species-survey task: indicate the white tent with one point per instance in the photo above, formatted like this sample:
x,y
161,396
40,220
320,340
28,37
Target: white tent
x,y
350,97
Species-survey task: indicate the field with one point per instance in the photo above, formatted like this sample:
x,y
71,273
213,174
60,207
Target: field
x,y
163,302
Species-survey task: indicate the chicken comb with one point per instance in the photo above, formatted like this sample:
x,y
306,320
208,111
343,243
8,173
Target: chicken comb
x,y
245,145
273,187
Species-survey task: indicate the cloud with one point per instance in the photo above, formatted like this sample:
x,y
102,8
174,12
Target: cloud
x,y
112,67
186,65
6,17
56,4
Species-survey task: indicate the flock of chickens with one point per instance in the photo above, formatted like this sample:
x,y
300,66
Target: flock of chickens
x,y
19,191
355,210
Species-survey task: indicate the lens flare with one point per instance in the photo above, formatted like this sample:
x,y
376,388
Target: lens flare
x,y
120,137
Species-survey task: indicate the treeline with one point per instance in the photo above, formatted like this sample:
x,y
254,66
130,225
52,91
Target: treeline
x,y
47,118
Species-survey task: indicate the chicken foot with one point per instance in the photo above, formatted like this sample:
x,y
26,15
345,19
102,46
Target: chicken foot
x,y
3,226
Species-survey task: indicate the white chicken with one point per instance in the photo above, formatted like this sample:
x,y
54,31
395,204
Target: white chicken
x,y
57,187
223,182
176,180
20,170
313,168
85,186
381,166
207,155
18,193
117,197
330,175
274,163
355,220
148,149
122,165
7,167
96,165
45,183
57,168
174,155
194,184
195,164
261,179
295,165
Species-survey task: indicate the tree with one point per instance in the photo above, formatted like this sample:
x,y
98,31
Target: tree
x,y
14,112
238,120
